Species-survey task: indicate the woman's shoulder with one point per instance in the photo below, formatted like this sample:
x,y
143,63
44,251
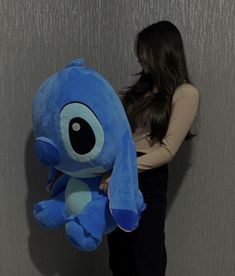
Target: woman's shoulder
x,y
186,90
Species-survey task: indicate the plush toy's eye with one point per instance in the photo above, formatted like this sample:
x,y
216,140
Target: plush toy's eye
x,y
81,135
81,132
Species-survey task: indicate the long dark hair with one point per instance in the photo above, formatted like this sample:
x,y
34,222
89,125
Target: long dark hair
x,y
158,47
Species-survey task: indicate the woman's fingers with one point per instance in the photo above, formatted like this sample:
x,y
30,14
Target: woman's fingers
x,y
105,183
104,187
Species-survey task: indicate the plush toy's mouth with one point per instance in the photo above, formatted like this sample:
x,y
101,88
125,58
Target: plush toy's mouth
x,y
85,173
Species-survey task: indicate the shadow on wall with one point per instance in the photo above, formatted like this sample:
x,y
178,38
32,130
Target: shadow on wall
x,y
50,251
182,162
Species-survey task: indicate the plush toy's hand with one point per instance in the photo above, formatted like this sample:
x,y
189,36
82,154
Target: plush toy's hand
x,y
54,174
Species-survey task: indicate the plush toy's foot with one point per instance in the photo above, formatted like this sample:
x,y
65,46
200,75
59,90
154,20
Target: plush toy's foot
x,y
79,236
50,213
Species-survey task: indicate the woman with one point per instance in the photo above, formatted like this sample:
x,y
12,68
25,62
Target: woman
x,y
161,107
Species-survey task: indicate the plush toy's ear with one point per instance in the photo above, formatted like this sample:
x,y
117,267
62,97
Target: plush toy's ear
x,y
125,199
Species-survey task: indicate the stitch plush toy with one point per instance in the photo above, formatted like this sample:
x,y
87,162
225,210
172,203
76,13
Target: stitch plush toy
x,y
81,129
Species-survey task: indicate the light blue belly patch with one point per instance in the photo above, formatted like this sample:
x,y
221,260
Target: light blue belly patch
x,y
77,196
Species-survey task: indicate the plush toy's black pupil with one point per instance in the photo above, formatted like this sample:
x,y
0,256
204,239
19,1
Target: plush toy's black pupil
x,y
82,137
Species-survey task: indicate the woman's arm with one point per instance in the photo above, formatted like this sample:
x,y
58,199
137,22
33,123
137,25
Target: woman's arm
x,y
183,114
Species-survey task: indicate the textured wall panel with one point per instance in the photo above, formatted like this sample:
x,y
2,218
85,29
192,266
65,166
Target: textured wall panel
x,y
37,38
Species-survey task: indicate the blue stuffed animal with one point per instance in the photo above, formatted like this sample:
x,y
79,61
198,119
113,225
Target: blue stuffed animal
x,y
81,129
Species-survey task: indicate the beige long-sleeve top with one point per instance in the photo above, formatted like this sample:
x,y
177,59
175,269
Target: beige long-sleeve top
x,y
185,104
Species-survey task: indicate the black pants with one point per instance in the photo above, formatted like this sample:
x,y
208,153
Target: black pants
x,y
142,252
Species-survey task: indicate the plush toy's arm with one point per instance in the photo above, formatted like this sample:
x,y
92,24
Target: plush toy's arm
x,y
53,175
60,184
126,200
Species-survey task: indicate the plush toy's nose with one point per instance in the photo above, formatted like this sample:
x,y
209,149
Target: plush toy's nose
x,y
47,151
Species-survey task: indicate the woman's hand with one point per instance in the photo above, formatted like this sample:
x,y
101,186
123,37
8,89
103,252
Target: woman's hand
x,y
104,183
140,170
105,180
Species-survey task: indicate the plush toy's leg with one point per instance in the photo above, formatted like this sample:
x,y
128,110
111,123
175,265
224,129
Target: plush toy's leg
x,y
85,230
51,213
